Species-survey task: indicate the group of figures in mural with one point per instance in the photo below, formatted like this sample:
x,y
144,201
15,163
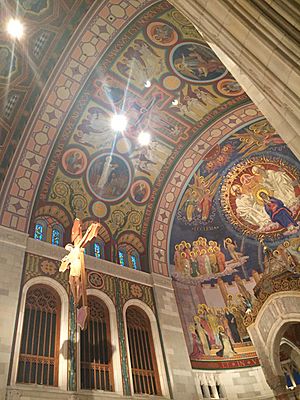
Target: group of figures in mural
x,y
206,259
217,331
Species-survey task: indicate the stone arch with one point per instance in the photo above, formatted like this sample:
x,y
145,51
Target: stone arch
x,y
63,340
279,310
156,341
114,338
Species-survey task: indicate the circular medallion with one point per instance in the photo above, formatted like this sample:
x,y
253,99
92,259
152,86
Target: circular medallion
x,y
196,63
229,87
74,161
109,177
96,280
140,191
260,196
162,33
99,209
123,145
171,82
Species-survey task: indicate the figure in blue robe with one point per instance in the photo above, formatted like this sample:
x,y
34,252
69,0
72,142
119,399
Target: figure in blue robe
x,y
277,211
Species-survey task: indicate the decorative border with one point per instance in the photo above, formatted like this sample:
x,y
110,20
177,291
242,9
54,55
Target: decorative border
x,y
81,57
166,207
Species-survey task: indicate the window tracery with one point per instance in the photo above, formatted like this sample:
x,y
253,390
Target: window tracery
x,y
95,349
39,351
142,354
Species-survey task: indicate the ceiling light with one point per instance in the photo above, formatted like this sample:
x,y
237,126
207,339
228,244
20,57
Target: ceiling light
x,y
119,122
147,83
15,28
144,138
175,102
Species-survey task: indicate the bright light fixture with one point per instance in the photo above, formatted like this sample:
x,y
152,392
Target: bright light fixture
x,y
144,138
119,122
175,102
147,83
15,28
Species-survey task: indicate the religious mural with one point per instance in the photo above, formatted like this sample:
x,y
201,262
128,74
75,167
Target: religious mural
x,y
243,195
97,174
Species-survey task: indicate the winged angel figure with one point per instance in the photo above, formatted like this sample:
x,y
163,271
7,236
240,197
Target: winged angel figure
x,y
199,195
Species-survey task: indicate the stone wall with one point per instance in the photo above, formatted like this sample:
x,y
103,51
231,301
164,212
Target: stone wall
x,y
178,379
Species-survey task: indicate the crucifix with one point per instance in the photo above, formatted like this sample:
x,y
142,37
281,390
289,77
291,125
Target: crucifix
x,y
75,262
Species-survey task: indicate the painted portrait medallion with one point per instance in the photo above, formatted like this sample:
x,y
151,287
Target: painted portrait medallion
x,y
162,33
109,177
74,161
229,87
260,196
140,191
196,63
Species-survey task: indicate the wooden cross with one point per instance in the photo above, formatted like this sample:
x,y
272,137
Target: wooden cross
x,y
75,262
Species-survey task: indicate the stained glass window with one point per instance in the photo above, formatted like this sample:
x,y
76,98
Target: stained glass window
x,y
121,258
134,261
98,251
38,232
55,239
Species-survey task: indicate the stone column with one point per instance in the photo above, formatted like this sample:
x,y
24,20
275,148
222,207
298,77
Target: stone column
x,y
12,252
257,42
177,358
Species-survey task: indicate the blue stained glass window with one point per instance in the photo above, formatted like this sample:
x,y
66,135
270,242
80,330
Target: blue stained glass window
x,y
134,262
98,250
55,237
122,258
38,232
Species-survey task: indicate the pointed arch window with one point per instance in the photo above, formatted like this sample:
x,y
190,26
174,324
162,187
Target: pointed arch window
x,y
95,349
142,355
39,351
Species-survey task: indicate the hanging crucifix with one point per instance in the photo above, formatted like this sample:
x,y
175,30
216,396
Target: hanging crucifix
x,y
75,262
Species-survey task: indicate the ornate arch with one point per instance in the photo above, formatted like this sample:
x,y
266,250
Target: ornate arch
x,y
177,181
84,50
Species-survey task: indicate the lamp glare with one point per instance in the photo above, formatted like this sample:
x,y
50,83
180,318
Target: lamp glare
x,y
144,138
15,28
119,122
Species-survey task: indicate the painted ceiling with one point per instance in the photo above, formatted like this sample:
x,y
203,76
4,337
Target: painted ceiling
x,y
161,46
26,66
215,173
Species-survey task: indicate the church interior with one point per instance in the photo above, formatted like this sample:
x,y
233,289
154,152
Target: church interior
x,y
150,199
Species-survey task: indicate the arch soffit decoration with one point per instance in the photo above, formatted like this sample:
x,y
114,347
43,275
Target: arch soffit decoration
x,y
281,320
57,100
181,173
42,132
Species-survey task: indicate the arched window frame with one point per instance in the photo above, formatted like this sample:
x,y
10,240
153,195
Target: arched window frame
x,y
100,243
63,336
44,226
128,252
114,337
60,230
156,341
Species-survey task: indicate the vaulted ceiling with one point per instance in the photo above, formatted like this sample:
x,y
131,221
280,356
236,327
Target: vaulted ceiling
x,y
81,62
